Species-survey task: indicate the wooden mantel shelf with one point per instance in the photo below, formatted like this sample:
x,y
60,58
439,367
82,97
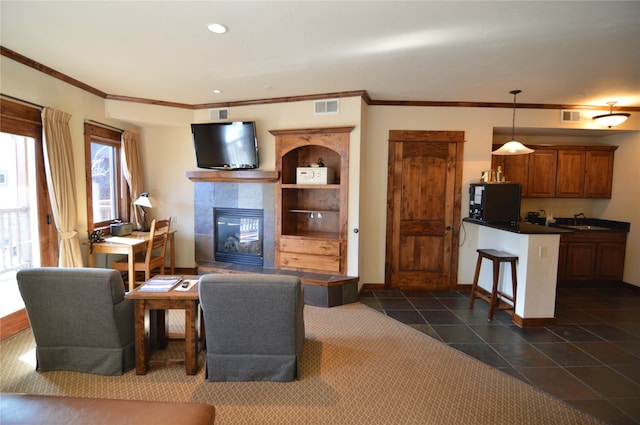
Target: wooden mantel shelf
x,y
248,176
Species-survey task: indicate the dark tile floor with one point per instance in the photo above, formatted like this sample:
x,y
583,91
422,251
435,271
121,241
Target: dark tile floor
x,y
590,358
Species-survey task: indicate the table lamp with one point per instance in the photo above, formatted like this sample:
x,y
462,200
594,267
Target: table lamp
x,y
145,201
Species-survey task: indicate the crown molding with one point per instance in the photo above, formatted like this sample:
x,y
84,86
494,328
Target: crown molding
x,y
8,53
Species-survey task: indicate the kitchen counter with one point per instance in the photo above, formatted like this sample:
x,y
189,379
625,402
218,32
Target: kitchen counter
x,y
522,228
537,248
562,225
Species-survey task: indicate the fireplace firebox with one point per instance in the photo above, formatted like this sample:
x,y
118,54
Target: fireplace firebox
x,y
238,236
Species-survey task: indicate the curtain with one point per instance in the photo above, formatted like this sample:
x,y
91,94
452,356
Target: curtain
x,y
132,169
59,169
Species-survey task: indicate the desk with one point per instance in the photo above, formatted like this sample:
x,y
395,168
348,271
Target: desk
x,y
161,301
130,245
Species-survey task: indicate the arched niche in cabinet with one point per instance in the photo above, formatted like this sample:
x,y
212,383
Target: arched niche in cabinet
x,y
311,219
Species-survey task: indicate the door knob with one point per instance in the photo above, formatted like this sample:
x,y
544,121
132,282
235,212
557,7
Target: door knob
x,y
447,228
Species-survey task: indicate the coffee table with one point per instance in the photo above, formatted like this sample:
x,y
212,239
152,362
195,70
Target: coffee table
x,y
160,302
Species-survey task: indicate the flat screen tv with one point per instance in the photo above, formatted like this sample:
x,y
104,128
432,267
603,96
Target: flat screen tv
x,y
226,145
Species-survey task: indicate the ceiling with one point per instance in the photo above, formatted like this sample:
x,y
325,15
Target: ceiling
x,y
562,53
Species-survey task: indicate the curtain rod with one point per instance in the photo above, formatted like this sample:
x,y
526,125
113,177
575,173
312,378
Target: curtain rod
x,y
26,102
99,124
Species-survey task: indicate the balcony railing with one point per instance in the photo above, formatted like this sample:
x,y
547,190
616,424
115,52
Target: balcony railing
x,y
15,239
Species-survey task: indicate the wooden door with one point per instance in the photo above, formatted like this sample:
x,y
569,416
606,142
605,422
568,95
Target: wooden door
x,y
423,200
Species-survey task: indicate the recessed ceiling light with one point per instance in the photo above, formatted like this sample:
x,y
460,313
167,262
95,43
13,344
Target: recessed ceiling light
x,y
217,28
217,91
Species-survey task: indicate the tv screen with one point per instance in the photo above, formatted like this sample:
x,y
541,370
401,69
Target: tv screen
x,y
226,145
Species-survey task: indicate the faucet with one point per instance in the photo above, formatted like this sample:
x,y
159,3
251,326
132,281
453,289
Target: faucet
x,y
575,218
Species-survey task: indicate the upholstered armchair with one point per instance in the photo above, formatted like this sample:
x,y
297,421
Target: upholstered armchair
x,y
254,326
79,318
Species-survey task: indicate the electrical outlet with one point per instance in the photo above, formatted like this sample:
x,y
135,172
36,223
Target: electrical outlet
x,y
542,252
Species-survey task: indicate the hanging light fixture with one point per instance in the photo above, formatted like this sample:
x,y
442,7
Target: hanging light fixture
x,y
611,119
513,147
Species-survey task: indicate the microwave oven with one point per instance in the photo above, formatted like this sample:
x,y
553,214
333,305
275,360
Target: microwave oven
x,y
495,202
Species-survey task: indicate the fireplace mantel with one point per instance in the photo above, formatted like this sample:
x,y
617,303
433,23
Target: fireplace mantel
x,y
249,176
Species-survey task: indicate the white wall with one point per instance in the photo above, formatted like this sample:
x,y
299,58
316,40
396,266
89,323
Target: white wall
x,y
168,152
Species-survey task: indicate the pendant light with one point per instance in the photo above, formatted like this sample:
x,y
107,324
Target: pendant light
x,y
611,119
513,147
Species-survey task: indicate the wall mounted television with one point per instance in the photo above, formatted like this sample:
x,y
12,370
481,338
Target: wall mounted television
x,y
226,145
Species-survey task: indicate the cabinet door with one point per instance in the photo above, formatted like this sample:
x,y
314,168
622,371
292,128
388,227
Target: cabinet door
x,y
542,173
599,174
514,167
609,261
580,261
570,178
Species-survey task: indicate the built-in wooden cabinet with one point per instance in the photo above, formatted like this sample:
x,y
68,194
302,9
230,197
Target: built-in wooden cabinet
x,y
311,219
594,255
541,178
561,171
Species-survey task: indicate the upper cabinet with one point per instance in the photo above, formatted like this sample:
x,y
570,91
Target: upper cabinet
x,y
311,213
561,171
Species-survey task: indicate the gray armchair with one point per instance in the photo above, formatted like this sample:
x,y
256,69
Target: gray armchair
x,y
254,326
79,318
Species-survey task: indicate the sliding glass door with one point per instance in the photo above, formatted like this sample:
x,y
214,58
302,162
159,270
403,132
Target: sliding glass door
x,y
28,237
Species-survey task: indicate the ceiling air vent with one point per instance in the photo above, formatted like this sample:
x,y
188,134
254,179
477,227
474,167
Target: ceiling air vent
x,y
569,116
327,106
219,114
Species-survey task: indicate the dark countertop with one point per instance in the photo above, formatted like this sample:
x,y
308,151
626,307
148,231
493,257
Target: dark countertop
x,y
522,227
527,228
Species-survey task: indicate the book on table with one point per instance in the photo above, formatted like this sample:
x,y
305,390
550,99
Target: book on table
x,y
160,284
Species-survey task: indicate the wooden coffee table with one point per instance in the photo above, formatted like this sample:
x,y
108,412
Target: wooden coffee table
x,y
160,302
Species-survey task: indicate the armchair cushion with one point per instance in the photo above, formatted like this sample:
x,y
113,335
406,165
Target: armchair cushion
x,y
79,318
254,326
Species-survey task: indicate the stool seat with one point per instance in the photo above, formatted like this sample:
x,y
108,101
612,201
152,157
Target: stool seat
x,y
495,298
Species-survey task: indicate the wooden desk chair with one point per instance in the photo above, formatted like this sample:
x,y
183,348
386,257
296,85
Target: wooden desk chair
x,y
153,257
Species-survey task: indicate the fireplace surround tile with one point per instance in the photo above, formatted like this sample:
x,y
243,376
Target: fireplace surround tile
x,y
210,195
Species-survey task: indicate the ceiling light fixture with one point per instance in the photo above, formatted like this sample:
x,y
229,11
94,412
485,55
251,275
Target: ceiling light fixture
x,y
217,28
611,119
513,147
217,91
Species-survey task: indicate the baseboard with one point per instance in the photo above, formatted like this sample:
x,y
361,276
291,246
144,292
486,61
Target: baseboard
x,y
13,323
534,322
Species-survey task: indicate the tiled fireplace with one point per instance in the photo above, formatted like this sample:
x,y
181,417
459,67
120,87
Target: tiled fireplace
x,y
211,198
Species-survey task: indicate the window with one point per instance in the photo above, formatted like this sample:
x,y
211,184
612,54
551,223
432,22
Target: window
x,y
107,192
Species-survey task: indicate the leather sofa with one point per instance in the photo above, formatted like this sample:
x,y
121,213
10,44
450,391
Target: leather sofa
x,y
20,409
254,326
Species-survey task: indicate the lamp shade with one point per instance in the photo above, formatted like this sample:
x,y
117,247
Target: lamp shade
x,y
512,148
145,200
611,119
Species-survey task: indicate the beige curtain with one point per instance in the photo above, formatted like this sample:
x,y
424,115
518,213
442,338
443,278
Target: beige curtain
x,y
59,168
132,168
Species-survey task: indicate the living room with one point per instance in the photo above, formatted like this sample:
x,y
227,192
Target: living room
x,y
167,150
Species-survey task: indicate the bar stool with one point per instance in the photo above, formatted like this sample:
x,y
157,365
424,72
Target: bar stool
x,y
495,297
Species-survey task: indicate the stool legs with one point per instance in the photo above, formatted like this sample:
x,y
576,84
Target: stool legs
x,y
474,287
495,296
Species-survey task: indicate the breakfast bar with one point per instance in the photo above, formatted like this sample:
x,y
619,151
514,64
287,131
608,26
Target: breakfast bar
x,y
537,248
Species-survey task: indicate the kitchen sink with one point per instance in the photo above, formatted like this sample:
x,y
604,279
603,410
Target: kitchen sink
x,y
586,227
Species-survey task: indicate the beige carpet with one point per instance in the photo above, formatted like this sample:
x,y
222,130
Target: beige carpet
x,y
358,367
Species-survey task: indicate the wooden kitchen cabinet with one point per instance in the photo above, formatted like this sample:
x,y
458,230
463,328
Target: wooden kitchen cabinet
x,y
515,169
311,219
598,177
570,178
578,171
595,255
541,179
